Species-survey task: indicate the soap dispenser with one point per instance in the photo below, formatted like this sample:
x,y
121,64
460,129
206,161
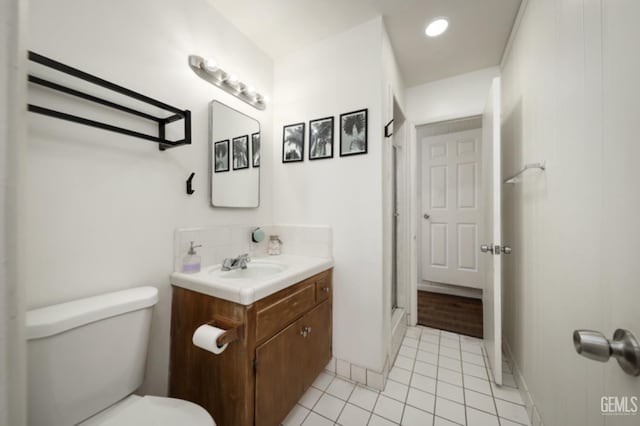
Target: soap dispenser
x,y
191,262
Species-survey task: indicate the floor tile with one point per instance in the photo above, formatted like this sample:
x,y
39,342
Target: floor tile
x,y
413,332
310,397
451,364
340,388
430,357
429,330
449,343
317,420
363,398
410,342
329,406
408,351
429,346
296,416
450,376
473,358
449,335
507,393
480,401
422,400
389,408
439,421
479,418
471,348
449,352
514,412
396,390
414,417
423,383
400,375
450,410
425,368
446,390
404,362
379,421
322,381
474,370
429,338
477,384
353,416
505,422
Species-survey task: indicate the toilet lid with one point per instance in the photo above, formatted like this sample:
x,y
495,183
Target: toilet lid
x,y
152,411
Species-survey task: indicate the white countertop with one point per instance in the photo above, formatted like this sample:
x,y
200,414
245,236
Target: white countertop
x,y
246,291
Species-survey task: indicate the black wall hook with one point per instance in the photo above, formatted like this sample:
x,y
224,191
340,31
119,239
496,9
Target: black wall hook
x,y
190,189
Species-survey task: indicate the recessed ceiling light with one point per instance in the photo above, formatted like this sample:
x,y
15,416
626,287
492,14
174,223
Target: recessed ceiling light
x,y
436,27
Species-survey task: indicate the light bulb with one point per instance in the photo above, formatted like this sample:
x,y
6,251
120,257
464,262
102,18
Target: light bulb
x,y
436,27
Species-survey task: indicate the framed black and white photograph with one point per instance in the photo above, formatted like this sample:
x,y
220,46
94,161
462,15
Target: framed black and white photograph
x,y
255,149
353,133
293,143
221,156
241,152
321,138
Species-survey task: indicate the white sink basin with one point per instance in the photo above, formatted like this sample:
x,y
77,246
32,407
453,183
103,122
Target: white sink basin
x,y
255,270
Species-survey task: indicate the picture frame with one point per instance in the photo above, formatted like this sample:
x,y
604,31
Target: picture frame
x,y
221,156
354,133
293,143
321,138
241,152
255,149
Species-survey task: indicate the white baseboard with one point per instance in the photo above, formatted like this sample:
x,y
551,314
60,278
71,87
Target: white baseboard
x,y
532,410
452,290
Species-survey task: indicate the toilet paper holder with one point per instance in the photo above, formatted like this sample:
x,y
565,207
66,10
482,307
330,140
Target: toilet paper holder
x,y
234,330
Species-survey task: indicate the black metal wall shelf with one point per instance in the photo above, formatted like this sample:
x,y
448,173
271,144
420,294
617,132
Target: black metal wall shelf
x,y
175,113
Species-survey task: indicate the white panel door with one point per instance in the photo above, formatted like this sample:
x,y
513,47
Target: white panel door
x,y
451,211
492,259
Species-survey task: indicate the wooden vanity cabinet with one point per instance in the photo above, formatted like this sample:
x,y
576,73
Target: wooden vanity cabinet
x,y
285,343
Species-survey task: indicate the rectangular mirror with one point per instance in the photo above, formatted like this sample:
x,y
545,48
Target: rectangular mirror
x,y
234,157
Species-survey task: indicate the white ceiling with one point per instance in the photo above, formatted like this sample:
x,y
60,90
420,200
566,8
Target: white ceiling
x,y
478,29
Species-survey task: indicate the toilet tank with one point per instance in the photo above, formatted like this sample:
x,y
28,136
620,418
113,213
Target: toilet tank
x,y
85,355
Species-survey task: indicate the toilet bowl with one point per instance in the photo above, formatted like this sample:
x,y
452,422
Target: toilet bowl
x,y
88,356
151,410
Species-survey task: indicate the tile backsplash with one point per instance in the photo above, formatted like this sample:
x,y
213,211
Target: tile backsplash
x,y
220,242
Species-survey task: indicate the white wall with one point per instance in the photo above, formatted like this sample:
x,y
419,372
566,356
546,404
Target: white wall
x,y
552,100
337,75
463,95
12,138
101,207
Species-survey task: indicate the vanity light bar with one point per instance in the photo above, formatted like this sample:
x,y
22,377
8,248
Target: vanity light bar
x,y
210,71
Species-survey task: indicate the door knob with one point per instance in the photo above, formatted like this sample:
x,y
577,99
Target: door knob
x,y
624,347
426,216
506,249
485,248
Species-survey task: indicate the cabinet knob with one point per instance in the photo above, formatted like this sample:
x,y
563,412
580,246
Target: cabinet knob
x,y
305,331
326,289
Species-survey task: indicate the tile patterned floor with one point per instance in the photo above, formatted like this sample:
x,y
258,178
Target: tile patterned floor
x,y
438,379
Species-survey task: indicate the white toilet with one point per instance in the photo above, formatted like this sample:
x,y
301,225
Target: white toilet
x,y
87,357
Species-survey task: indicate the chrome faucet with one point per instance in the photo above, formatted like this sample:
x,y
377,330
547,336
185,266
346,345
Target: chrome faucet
x,y
239,262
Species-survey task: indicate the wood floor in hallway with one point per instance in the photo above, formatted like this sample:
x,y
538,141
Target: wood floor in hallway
x,y
457,314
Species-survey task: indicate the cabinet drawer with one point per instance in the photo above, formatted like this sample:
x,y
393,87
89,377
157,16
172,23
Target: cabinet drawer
x,y
274,317
323,287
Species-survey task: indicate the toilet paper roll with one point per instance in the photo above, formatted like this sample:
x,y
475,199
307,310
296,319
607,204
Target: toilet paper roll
x,y
205,337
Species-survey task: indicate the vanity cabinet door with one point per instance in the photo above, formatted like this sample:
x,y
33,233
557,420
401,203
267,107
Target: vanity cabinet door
x,y
316,350
278,375
289,362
